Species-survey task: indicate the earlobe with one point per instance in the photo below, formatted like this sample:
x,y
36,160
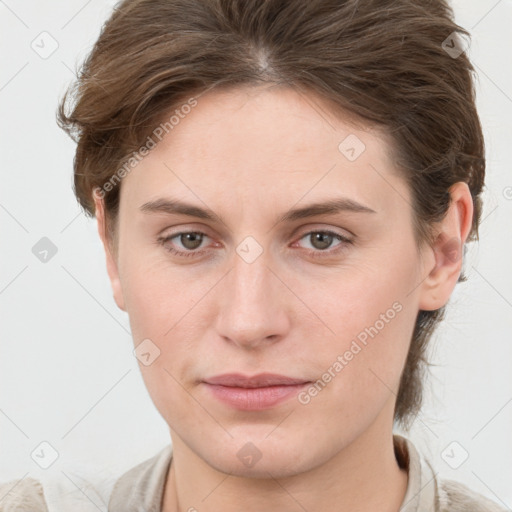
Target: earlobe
x,y
112,266
447,249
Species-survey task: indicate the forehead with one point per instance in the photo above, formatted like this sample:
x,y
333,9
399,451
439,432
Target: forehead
x,y
270,143
279,121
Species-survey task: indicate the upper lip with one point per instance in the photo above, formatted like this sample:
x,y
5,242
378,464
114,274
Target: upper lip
x,y
238,380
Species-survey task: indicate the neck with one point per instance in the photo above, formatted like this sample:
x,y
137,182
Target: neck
x,y
364,476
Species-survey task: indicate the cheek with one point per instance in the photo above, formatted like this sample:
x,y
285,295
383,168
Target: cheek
x,y
163,304
358,371
369,349
157,295
372,316
159,315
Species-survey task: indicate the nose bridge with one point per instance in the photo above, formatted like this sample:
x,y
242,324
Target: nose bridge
x,y
251,311
250,281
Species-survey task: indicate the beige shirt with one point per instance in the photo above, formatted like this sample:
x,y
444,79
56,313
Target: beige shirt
x,y
141,489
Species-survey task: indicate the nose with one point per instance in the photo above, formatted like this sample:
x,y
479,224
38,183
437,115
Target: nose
x,y
254,305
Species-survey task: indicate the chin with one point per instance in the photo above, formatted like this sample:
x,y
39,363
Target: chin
x,y
278,465
254,456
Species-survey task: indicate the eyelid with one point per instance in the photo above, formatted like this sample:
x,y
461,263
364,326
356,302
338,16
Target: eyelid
x,y
330,252
341,232
312,253
325,228
179,228
164,239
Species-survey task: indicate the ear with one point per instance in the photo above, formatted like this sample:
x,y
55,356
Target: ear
x,y
447,250
112,267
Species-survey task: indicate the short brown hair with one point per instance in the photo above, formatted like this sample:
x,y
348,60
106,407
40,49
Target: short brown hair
x,y
384,62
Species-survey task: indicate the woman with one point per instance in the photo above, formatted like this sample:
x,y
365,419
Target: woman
x,y
284,191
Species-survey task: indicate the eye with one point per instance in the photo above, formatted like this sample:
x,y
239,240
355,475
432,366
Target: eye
x,y
190,241
323,239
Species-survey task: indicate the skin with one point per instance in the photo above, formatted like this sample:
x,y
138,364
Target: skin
x,y
251,154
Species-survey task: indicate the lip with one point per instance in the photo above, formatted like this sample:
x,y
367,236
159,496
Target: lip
x,y
262,380
254,393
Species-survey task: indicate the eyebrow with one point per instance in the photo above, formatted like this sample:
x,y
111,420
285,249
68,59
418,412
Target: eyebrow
x,y
328,207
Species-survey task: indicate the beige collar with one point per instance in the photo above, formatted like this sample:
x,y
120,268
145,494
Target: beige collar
x,y
141,488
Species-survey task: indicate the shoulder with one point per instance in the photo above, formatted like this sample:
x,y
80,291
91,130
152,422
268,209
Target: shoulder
x,y
85,490
426,491
70,492
457,497
141,487
25,495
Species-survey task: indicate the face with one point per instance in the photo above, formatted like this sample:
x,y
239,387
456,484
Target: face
x,y
252,279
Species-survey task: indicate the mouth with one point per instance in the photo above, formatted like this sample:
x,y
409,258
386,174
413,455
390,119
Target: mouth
x,y
254,393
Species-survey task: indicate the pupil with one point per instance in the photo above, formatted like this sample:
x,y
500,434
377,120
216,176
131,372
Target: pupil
x,y
325,240
191,240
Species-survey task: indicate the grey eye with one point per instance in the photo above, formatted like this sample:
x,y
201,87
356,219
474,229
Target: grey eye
x,y
190,240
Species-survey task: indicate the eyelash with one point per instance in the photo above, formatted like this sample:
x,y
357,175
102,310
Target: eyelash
x,y
313,253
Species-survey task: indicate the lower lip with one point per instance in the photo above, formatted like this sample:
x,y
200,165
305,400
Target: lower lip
x,y
255,399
